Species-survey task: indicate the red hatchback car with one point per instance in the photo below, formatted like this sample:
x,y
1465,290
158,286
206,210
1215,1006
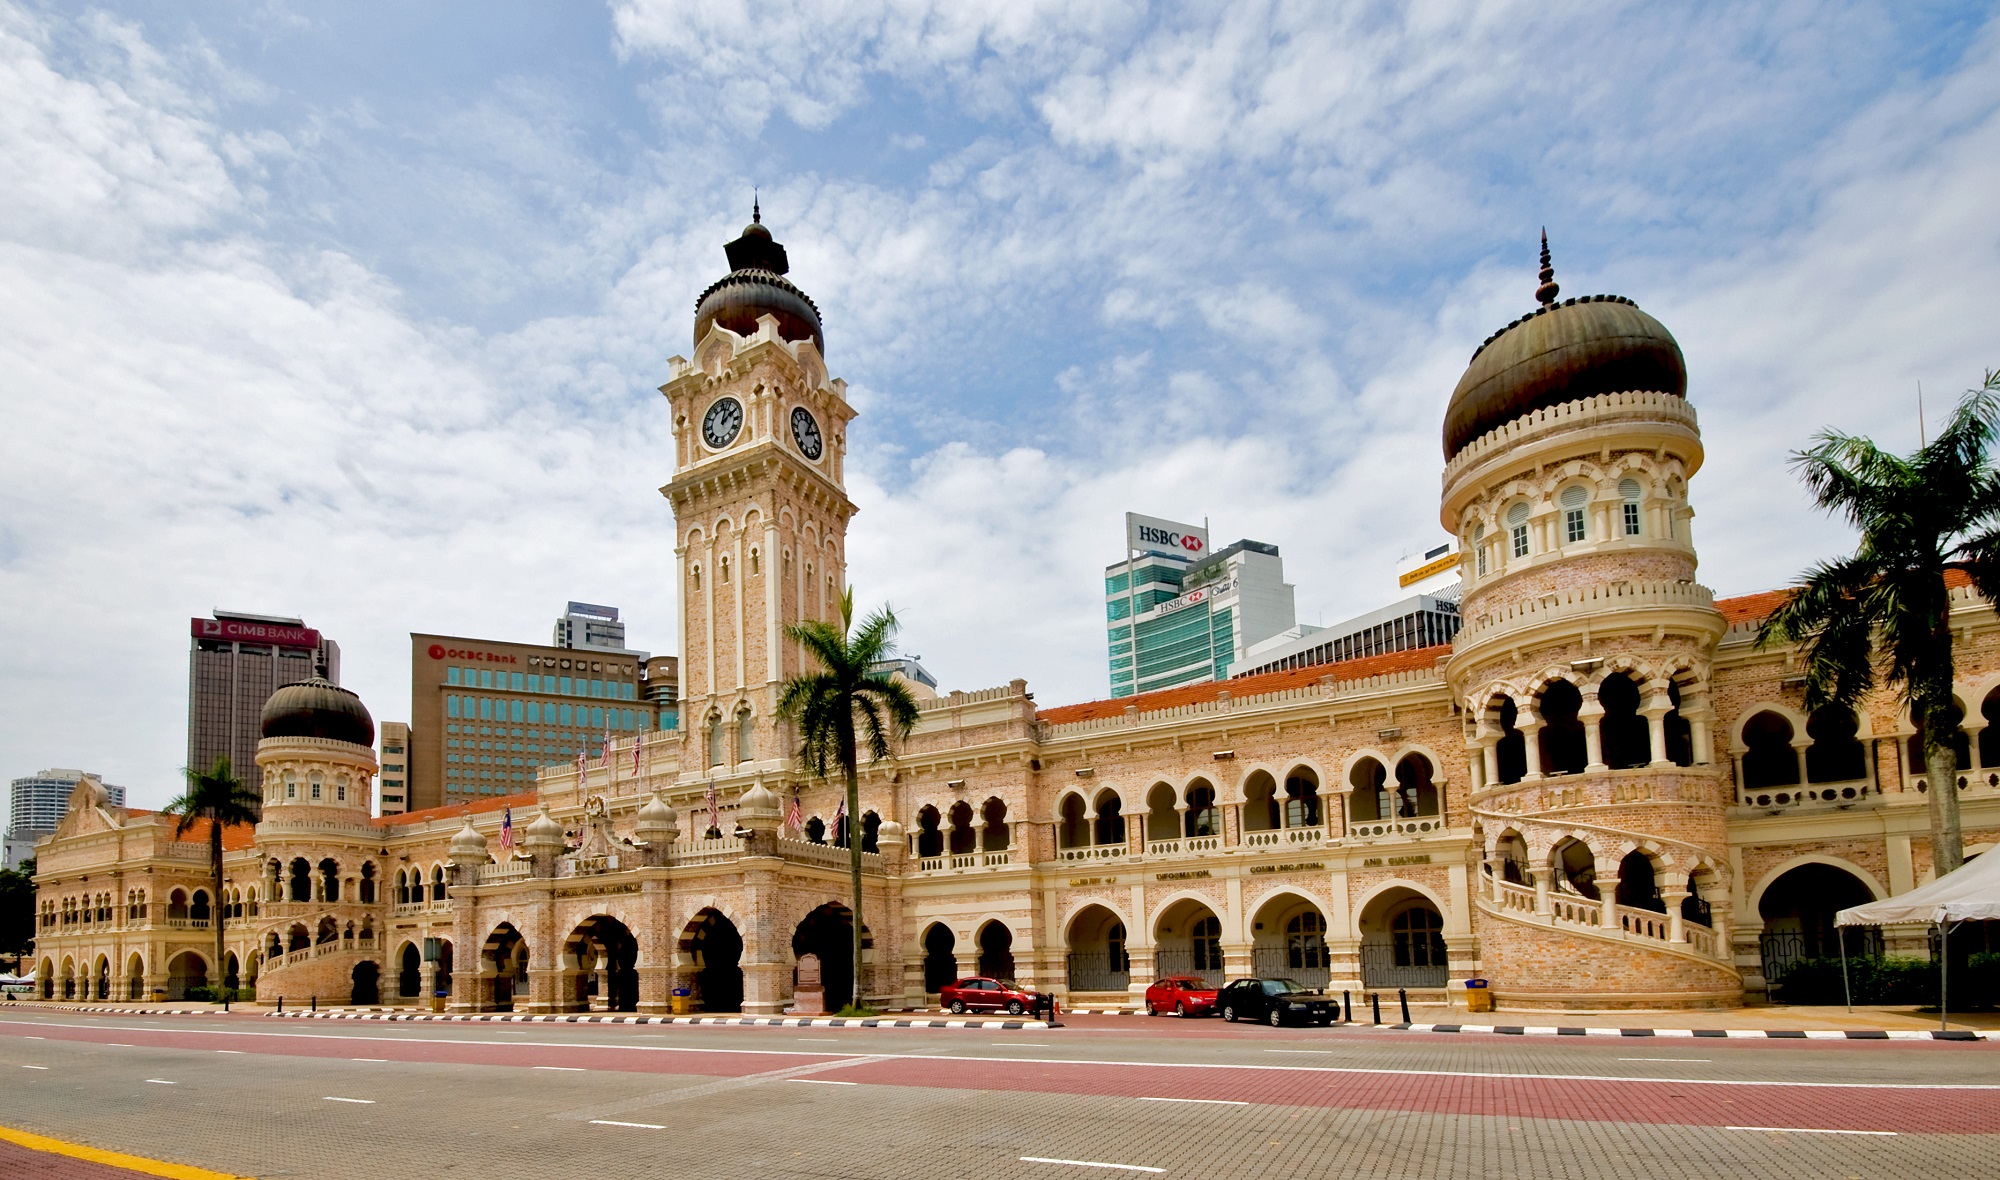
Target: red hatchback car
x,y
979,992
1182,995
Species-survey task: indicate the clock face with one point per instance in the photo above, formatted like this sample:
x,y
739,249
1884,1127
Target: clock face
x,y
722,422
805,432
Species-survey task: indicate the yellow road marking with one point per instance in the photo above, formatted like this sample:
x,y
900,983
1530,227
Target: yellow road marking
x,y
114,1159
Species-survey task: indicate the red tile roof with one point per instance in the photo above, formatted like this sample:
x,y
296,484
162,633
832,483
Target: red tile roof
x,y
524,800
1751,608
1248,686
235,837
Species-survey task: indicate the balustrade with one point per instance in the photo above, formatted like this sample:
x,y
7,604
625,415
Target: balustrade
x,y
1373,829
1096,852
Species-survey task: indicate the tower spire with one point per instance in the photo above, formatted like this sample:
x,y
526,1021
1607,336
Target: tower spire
x,y
1547,292
757,214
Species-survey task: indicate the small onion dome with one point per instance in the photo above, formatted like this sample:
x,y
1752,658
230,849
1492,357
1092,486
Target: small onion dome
x,y
1559,353
759,802
319,709
889,834
755,286
657,822
544,832
468,844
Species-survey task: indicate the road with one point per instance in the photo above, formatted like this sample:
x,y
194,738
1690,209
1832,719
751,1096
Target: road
x,y
1104,1096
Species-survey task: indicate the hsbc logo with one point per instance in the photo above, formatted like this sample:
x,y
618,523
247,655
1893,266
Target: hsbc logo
x,y
1152,536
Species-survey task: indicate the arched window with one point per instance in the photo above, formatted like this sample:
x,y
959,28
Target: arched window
x,y
1768,757
722,569
694,573
1510,753
437,883
1416,792
871,825
715,739
1836,755
1479,549
1574,500
1562,730
1305,941
302,889
1418,933
1302,800
1623,734
329,874
1203,819
1072,825
367,885
1260,804
1517,530
996,836
1110,826
746,736
1370,800
930,841
816,830
961,839
1206,935
753,563
1629,492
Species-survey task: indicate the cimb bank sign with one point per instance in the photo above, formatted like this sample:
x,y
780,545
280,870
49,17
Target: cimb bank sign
x,y
1151,534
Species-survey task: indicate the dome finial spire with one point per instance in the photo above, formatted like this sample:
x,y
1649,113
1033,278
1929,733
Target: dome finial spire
x,y
1547,292
757,211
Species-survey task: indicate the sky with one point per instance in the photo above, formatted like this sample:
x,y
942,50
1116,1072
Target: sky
x,y
357,312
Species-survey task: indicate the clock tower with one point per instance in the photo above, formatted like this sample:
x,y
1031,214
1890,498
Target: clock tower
x,y
760,510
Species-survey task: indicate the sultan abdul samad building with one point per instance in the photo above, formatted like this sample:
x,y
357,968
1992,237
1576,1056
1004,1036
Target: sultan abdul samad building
x,y
1601,794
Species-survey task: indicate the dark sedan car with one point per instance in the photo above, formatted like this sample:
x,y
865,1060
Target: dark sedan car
x,y
979,992
1276,1002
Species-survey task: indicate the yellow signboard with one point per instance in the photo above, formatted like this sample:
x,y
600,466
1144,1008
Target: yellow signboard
x,y
1448,561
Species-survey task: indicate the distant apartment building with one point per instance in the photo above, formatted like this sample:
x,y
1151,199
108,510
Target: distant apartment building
x,y
486,714
235,662
1176,613
393,793
595,628
37,803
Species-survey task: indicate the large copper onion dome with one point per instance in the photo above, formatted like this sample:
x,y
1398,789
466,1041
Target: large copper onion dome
x,y
755,286
1561,352
317,708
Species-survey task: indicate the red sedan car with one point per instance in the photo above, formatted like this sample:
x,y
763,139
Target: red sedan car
x,y
979,992
1182,995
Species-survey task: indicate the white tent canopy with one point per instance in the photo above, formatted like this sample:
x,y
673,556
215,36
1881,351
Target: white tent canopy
x,y
1971,894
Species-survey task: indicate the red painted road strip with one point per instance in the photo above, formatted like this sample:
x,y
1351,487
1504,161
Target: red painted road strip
x,y
1830,1106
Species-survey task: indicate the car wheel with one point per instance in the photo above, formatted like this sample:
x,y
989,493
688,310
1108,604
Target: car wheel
x,y
1180,1010
1229,1013
1150,1010
1014,1008
958,1006
1277,1019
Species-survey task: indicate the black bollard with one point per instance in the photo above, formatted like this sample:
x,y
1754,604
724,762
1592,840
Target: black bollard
x,y
1375,1005
281,1005
1403,997
225,1000
1346,1008
315,1001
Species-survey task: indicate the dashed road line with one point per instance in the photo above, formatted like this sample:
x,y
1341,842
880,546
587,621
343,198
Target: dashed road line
x,y
1813,1130
564,1068
356,1101
1041,1159
616,1123
1208,1101
162,1082
821,1082
34,1067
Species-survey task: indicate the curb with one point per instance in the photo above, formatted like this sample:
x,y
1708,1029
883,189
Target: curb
x,y
740,1021
1772,1034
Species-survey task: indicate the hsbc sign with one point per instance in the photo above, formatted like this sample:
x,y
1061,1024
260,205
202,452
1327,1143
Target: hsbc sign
x,y
1151,534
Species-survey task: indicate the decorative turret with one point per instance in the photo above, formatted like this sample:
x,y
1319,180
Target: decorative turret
x,y
468,847
889,842
657,827
544,841
317,751
755,286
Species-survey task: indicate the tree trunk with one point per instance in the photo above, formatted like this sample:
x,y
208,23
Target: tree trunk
x,y
1941,777
215,910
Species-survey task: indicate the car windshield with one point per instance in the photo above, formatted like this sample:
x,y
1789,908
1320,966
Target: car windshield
x,y
1279,987
1008,985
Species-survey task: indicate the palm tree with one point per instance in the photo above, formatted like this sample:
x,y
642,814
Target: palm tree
x,y
1920,517
843,704
220,798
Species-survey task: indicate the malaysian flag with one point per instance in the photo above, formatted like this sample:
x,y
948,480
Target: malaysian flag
x,y
582,769
714,813
607,745
637,743
793,817
507,831
840,821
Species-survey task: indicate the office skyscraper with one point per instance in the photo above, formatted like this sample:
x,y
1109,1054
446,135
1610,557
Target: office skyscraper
x,y
235,662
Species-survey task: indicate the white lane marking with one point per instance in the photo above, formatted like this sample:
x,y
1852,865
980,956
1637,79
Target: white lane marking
x,y
1703,1060
1019,1044
1038,1159
822,1082
238,1052
161,1082
371,1060
1209,1101
116,1045
1813,1130
356,1101
616,1123
34,1067
626,1046
820,1040
564,1068
32,1038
